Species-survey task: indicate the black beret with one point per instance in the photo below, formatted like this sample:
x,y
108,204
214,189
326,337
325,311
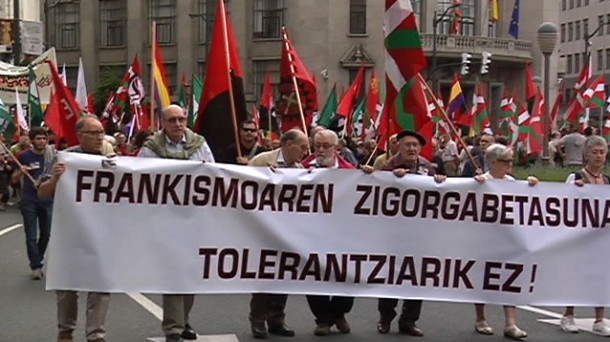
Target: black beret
x,y
407,133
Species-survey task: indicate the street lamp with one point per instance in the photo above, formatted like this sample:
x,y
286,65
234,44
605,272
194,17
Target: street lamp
x,y
589,36
437,20
547,39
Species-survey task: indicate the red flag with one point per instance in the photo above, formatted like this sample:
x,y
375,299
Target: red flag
x,y
267,107
536,129
91,104
405,57
530,86
456,22
68,110
291,67
558,101
350,99
53,119
372,101
215,120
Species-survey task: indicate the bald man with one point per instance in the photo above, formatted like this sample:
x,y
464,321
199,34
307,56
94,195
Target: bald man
x,y
176,141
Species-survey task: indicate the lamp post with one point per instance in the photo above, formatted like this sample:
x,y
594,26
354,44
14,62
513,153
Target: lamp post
x,y
589,36
547,39
437,20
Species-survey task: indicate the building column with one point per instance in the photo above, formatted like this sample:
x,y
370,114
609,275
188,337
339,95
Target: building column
x,y
137,34
89,27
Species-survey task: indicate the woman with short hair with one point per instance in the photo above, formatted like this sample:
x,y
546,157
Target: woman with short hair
x,y
499,158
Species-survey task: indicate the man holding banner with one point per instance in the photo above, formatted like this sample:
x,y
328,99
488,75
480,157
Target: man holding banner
x,y
269,307
406,161
176,141
90,133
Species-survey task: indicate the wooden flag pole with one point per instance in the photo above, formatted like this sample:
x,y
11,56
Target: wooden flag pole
x,y
446,117
27,174
295,85
152,76
225,36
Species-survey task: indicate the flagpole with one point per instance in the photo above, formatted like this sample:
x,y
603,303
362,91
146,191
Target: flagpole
x,y
294,83
152,75
446,117
225,37
27,174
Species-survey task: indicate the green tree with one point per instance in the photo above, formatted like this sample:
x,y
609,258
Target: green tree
x,y
110,79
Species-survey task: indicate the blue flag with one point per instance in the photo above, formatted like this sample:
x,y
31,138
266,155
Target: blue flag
x,y
513,30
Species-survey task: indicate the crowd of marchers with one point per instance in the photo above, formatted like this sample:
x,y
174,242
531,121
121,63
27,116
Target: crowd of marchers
x,y
32,169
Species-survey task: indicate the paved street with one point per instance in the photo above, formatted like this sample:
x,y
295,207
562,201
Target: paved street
x,y
27,312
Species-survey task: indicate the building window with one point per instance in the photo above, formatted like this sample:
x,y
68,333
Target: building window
x,y
584,58
571,4
578,3
570,32
608,24
585,28
569,64
492,29
563,5
268,18
202,11
468,17
163,12
201,69
576,62
259,71
600,20
577,30
563,33
416,4
357,17
67,15
600,59
112,22
607,59
586,2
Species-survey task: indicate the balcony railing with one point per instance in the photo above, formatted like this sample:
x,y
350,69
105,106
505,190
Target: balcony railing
x,y
499,47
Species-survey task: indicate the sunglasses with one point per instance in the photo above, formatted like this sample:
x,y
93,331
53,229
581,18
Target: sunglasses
x,y
251,130
176,119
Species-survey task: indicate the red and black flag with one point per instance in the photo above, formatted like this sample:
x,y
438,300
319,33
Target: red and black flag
x,y
215,118
267,108
291,67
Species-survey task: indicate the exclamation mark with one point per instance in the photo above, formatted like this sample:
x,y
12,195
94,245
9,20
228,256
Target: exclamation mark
x,y
534,268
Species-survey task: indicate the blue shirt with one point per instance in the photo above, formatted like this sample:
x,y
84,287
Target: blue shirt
x,y
36,163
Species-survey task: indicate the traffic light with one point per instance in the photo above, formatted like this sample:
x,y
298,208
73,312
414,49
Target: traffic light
x,y
465,62
485,62
7,33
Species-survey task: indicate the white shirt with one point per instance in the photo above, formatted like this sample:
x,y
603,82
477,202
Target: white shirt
x,y
488,176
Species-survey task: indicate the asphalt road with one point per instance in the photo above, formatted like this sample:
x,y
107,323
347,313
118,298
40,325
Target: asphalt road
x,y
27,312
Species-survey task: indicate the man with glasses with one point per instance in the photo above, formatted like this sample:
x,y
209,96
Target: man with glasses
x,y
249,147
176,141
269,307
478,153
90,134
328,310
36,212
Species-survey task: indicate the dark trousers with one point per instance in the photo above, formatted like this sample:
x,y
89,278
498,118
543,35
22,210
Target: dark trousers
x,y
267,307
37,227
329,309
411,309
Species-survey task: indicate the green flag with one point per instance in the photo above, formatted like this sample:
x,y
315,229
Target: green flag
x,y
35,114
327,116
358,118
196,88
7,124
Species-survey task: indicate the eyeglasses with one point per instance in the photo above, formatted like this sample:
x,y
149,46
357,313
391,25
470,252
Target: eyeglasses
x,y
325,146
249,130
506,161
176,119
94,133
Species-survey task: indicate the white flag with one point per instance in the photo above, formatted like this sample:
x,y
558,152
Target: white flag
x,y
81,87
23,123
63,75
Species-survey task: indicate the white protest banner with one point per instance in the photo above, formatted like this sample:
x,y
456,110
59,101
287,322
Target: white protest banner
x,y
152,225
17,77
